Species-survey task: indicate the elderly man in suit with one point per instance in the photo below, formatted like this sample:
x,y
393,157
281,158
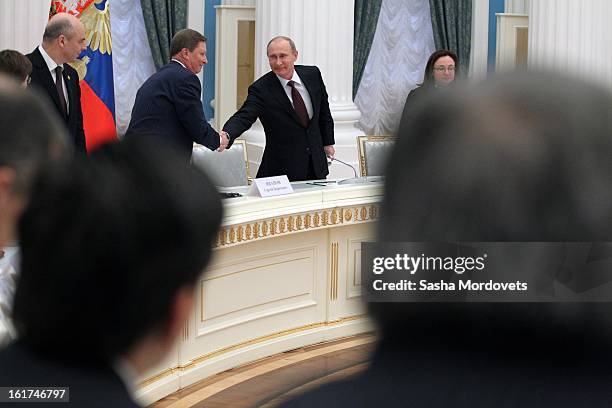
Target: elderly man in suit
x,y
291,102
63,41
169,106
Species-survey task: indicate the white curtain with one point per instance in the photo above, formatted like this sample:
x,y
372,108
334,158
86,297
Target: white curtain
x,y
402,43
132,60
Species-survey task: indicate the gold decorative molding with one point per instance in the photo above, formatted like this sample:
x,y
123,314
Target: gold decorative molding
x,y
333,292
216,353
186,330
289,224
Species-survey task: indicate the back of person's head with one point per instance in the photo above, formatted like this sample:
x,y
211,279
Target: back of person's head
x,y
16,65
186,38
31,136
519,158
107,244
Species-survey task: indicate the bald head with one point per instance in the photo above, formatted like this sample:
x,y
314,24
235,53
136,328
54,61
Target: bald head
x,y
61,24
64,38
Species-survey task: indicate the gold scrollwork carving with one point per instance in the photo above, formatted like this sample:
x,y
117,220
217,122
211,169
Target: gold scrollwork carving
x,y
298,222
364,213
373,212
290,224
334,216
348,215
273,227
239,232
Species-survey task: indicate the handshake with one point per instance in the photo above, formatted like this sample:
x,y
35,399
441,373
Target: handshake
x,y
224,141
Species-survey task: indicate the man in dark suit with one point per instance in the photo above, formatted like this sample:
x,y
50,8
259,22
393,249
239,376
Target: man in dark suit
x,y
112,249
291,102
63,41
169,106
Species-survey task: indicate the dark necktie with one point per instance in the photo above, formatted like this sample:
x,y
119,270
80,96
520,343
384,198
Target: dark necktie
x,y
299,105
60,89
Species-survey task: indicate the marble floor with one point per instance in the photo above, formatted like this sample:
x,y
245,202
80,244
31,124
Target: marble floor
x,y
269,382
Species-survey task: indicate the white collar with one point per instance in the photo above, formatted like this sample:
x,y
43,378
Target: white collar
x,y
295,78
182,65
48,60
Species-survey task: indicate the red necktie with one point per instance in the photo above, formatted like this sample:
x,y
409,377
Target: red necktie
x,y
60,89
299,105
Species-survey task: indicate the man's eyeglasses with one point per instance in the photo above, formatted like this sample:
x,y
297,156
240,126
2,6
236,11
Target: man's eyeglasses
x,y
440,68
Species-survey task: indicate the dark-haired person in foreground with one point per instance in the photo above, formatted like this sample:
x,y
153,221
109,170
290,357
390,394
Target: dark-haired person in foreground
x,y
31,136
16,66
522,158
112,248
168,105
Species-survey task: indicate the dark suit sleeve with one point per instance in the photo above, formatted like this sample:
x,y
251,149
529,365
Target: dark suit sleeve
x,y
189,111
326,122
248,113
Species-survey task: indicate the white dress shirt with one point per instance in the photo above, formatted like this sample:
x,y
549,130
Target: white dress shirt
x,y
300,88
52,65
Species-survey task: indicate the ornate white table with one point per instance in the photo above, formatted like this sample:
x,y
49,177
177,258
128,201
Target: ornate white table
x,y
285,274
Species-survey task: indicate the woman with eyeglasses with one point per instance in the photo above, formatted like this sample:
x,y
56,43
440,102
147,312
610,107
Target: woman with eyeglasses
x,y
440,72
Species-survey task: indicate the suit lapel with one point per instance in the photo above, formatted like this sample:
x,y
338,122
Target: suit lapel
x,y
278,91
46,80
69,91
312,87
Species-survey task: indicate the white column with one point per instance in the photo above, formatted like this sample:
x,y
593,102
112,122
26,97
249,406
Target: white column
x,y
323,33
22,23
573,37
480,40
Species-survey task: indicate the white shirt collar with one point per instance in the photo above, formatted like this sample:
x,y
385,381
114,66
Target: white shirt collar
x,y
50,63
295,78
182,65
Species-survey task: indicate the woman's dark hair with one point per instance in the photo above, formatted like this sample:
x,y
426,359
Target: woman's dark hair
x,y
428,78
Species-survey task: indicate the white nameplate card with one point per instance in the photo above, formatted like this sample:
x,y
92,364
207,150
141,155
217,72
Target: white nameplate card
x,y
270,186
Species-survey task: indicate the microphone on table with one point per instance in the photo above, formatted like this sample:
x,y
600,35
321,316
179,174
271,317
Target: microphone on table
x,y
333,159
355,180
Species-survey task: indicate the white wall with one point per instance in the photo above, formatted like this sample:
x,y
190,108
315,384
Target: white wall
x,y
22,23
